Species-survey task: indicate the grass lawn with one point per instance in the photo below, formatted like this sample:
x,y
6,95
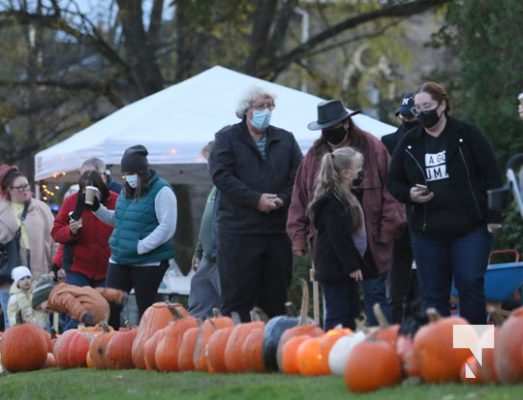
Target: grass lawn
x,y
133,384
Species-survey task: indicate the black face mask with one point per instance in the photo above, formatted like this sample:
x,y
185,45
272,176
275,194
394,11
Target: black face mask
x,y
334,135
428,118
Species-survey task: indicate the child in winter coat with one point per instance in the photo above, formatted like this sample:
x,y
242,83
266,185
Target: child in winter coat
x,y
82,303
341,240
19,308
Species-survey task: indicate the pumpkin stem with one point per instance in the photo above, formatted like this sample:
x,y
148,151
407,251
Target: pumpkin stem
x,y
236,320
173,308
216,312
290,309
433,314
380,315
304,303
260,314
105,327
495,315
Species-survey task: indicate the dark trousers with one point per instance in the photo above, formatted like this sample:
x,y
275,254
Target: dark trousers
x,y
144,279
342,304
402,279
255,270
77,279
463,259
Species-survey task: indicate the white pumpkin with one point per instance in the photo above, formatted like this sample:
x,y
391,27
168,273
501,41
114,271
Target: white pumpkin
x,y
339,353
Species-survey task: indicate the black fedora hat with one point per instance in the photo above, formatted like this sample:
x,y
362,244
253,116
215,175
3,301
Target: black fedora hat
x,y
330,113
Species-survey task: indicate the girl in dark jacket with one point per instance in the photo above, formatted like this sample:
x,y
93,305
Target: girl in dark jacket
x,y
341,239
442,171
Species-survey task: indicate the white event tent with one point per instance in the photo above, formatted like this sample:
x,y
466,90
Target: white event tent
x,y
175,123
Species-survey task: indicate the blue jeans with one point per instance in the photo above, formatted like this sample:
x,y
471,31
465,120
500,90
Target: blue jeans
x,y
374,291
4,301
463,259
77,279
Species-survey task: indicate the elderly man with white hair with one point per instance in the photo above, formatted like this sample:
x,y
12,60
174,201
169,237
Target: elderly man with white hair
x,y
253,165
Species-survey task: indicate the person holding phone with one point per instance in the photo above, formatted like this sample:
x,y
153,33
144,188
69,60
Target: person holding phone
x,y
443,170
77,226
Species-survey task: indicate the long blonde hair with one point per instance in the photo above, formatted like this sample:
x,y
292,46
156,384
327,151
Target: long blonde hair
x,y
330,180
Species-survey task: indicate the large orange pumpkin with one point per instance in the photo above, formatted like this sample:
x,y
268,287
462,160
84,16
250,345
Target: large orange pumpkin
x,y
167,351
300,330
71,348
309,357
186,352
98,349
119,349
508,347
24,347
372,365
154,318
216,350
436,358
289,357
149,349
209,326
252,351
234,347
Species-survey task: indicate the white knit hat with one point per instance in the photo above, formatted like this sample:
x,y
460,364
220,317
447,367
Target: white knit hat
x,y
20,272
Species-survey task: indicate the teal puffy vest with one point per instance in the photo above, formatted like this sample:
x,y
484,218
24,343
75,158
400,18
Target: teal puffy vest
x,y
134,220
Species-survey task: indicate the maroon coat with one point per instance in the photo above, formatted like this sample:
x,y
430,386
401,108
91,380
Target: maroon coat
x,y
384,215
91,244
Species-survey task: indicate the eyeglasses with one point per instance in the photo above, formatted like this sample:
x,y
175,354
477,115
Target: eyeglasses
x,y
21,188
263,106
419,108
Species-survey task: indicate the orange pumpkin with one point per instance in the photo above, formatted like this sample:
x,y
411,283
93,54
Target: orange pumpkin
x,y
372,365
252,351
167,351
186,352
24,347
436,358
386,332
327,341
206,330
119,349
150,346
289,358
508,347
98,349
70,349
233,349
216,350
89,361
309,357
154,318
300,330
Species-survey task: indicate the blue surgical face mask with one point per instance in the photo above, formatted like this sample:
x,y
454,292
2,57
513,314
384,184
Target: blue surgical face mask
x,y
261,119
132,180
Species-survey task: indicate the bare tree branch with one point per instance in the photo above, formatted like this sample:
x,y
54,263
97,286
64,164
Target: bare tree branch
x,y
156,23
276,66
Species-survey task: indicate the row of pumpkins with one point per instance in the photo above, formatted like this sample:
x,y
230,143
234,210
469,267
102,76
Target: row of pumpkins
x,y
170,339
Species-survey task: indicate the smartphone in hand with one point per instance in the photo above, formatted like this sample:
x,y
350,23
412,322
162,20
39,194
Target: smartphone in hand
x,y
423,188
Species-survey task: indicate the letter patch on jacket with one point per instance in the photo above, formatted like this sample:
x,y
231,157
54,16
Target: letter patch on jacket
x,y
436,166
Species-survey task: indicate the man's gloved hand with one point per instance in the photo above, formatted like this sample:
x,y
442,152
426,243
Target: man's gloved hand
x,y
88,319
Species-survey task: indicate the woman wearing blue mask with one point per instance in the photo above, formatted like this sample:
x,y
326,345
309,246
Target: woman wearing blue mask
x,y
144,223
